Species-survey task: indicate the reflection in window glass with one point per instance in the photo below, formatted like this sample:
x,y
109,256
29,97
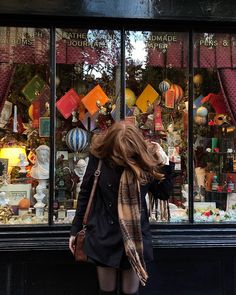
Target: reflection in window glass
x,y
214,127
156,101
24,125
88,89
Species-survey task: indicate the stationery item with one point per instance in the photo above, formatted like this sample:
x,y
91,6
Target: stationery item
x,y
68,103
169,99
5,114
61,213
214,143
158,126
33,88
36,113
95,95
147,97
214,185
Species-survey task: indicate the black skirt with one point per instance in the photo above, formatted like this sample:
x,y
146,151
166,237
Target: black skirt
x,y
124,262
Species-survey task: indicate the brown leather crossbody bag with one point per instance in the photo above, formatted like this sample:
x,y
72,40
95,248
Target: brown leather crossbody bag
x,y
79,254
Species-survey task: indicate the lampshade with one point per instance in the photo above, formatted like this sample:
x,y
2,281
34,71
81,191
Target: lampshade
x,y
12,154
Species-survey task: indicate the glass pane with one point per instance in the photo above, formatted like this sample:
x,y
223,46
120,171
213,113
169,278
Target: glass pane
x,y
88,89
24,125
214,115
156,101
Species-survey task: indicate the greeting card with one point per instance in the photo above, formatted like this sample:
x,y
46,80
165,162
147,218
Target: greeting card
x,y
68,103
33,88
149,95
96,94
158,126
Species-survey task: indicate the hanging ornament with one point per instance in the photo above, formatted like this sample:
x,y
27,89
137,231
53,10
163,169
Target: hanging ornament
x,y
57,81
104,119
77,139
197,80
130,97
202,112
74,117
164,85
172,95
178,91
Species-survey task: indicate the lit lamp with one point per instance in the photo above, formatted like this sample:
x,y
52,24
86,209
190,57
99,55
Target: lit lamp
x,y
13,155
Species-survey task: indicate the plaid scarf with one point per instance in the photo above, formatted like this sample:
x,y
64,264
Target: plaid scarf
x,y
129,205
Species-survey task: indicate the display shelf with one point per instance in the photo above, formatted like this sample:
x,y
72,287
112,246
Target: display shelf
x,y
223,192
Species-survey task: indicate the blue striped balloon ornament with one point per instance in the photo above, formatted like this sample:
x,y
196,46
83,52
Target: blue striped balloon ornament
x,y
164,85
77,139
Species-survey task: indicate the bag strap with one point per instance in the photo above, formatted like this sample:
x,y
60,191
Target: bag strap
x,y
91,197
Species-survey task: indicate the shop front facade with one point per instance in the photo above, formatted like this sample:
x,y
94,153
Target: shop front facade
x,y
68,71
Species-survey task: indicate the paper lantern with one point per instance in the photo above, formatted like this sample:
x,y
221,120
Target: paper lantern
x,y
130,97
164,85
77,139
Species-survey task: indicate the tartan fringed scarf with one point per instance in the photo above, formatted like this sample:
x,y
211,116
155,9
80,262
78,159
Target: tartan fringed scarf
x,y
129,205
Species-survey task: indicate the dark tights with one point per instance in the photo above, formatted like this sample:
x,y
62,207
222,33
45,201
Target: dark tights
x,y
107,278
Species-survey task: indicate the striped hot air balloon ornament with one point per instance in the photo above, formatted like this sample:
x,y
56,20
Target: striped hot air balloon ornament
x,y
164,85
77,140
172,95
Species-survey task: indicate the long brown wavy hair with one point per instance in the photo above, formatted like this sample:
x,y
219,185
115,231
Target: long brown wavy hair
x,y
125,145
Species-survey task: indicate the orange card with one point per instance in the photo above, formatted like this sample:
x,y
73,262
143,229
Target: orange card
x,y
92,97
149,95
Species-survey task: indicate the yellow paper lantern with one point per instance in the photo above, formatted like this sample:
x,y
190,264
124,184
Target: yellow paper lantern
x,y
130,97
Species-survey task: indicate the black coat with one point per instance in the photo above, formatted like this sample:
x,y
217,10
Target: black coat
x,y
103,237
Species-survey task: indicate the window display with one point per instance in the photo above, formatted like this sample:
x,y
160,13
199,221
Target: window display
x,y
214,128
156,97
24,120
88,98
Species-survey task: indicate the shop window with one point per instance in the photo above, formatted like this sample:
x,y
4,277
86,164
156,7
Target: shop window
x,y
156,97
89,72
88,99
24,125
214,128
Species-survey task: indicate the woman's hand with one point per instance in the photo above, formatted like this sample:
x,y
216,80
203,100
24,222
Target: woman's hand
x,y
72,244
164,160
